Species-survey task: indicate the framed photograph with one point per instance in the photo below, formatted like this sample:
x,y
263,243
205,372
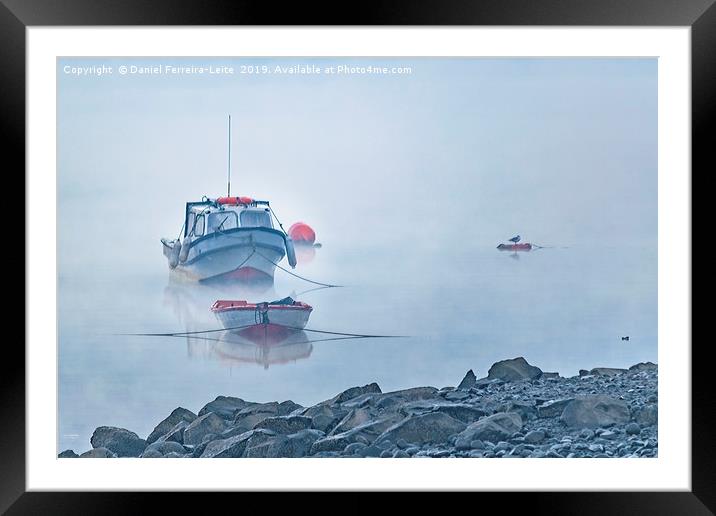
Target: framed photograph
x,y
298,251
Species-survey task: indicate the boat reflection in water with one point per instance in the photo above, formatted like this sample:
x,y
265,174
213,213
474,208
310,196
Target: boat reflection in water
x,y
257,347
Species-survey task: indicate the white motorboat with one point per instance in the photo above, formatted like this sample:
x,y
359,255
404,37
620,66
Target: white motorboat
x,y
229,238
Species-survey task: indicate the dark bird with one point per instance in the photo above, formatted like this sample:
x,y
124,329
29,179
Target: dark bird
x,y
515,239
625,338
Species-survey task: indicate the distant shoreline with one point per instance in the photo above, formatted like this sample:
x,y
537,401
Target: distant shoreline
x,y
517,410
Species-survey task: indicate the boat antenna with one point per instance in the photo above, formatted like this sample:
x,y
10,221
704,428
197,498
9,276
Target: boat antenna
x,y
228,185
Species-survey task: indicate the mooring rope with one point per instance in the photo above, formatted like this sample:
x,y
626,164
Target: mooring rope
x,y
199,332
296,275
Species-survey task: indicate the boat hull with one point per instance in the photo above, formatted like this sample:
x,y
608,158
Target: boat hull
x,y
249,321
243,254
515,247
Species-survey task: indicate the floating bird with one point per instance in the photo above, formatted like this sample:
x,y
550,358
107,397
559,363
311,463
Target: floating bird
x,y
625,338
515,239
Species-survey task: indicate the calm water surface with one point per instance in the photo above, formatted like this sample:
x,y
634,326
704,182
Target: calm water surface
x,y
563,309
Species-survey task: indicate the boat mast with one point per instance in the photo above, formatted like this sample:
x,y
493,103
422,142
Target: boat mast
x,y
228,186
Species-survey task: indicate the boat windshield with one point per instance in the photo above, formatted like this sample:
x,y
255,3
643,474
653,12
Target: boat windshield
x,y
255,219
221,221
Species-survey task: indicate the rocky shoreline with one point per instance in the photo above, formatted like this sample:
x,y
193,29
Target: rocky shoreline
x,y
517,410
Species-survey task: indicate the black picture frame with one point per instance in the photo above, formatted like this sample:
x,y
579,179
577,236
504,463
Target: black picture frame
x,y
700,15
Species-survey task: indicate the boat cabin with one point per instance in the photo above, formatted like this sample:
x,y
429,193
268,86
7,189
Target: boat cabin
x,y
207,217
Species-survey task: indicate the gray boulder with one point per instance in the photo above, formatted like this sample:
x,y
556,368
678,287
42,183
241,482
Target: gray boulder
x,y
606,371
595,411
353,419
67,454
494,428
365,434
553,408
525,409
468,382
324,417
285,424
98,453
460,411
643,366
423,428
364,400
209,423
647,415
234,447
354,392
151,454
288,407
224,406
288,446
176,433
513,370
169,422
248,417
120,441
535,436
413,394
164,447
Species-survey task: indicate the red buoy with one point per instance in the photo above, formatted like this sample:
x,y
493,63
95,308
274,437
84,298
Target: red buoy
x,y
302,234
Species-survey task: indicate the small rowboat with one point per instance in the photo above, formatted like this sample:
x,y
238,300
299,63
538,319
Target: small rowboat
x,y
274,316
515,247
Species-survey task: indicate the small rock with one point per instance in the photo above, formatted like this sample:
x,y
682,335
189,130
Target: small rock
x,y
477,444
633,429
402,444
67,454
412,450
98,453
164,448
151,454
354,448
401,454
502,445
608,434
384,445
468,382
385,454
587,434
371,451
535,436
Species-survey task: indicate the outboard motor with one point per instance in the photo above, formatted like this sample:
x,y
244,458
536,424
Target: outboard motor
x,y
184,252
290,252
174,254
